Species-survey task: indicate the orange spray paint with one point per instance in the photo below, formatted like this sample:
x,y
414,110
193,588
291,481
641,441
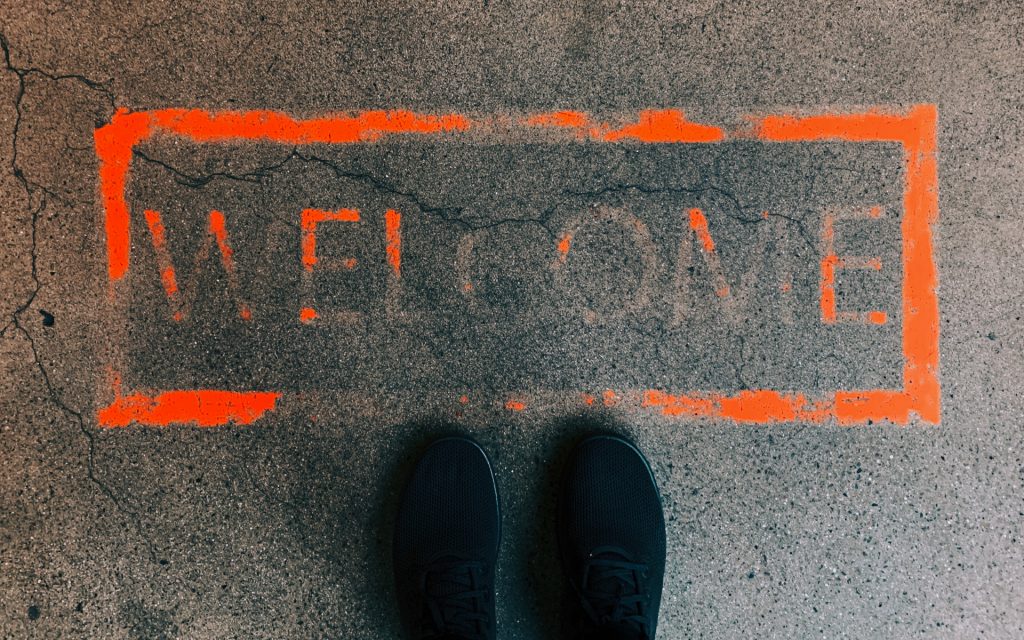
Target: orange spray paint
x,y
205,408
311,218
393,240
915,131
217,230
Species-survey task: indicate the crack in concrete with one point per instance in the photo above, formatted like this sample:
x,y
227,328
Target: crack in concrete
x,y
740,217
90,438
198,181
294,512
31,188
383,185
450,214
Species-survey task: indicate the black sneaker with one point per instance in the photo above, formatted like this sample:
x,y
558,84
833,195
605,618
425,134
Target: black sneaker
x,y
446,544
611,537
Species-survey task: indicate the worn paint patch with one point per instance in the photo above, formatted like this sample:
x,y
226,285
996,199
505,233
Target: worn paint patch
x,y
667,125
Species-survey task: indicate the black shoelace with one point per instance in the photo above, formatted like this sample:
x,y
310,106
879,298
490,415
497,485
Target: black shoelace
x,y
455,594
614,595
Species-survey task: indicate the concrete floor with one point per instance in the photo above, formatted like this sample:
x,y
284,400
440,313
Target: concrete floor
x,y
803,526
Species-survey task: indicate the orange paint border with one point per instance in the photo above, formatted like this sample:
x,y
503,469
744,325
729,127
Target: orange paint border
x,y
914,130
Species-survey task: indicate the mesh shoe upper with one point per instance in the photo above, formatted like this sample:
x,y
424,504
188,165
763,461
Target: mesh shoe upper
x,y
446,544
611,532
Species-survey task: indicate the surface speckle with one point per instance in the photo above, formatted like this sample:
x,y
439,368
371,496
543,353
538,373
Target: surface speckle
x,y
281,528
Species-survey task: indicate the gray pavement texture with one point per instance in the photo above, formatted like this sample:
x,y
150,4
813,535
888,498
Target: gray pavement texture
x,y
279,529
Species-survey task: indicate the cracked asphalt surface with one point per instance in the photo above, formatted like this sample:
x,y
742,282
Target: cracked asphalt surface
x,y
279,529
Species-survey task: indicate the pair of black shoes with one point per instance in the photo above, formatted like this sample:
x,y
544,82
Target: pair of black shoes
x,y
611,538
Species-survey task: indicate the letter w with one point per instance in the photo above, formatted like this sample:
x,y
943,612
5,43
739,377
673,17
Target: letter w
x,y
216,231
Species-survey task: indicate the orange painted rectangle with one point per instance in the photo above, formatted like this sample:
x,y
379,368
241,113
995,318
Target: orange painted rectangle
x,y
914,130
